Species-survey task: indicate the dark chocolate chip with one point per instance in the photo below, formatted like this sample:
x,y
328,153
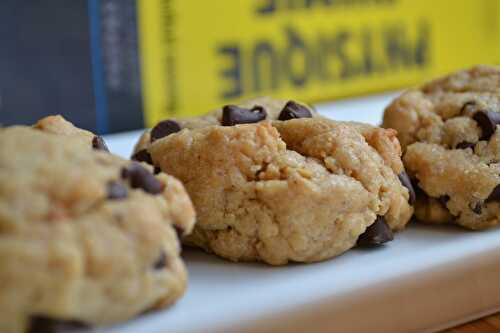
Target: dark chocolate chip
x,y
376,234
488,121
163,129
293,110
143,156
233,115
40,324
444,199
99,144
494,195
466,106
476,208
406,182
157,170
161,262
419,192
141,178
465,145
116,190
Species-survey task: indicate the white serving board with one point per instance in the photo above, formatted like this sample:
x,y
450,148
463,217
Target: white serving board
x,y
427,279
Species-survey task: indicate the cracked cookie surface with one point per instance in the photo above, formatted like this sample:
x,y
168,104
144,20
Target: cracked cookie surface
x,y
86,238
299,189
448,129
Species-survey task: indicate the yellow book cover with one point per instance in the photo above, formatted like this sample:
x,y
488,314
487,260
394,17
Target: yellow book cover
x,y
198,55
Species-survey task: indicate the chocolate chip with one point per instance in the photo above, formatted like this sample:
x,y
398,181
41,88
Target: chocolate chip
x,y
494,195
157,170
163,129
476,208
420,193
41,324
161,262
141,178
377,233
116,190
467,105
233,115
465,145
99,144
406,182
488,121
293,110
444,199
143,156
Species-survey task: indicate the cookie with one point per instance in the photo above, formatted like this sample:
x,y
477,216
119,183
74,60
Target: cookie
x,y
272,181
448,129
86,238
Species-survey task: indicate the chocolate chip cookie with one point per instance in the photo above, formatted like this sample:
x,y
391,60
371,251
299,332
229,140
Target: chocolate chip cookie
x,y
272,181
86,238
448,129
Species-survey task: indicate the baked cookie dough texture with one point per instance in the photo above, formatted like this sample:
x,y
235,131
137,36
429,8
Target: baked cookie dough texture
x,y
448,130
86,238
272,181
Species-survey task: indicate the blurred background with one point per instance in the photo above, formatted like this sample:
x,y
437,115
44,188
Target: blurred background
x,y
117,65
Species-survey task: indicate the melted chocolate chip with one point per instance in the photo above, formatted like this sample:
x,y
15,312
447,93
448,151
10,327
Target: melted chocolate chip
x,y
476,208
233,115
494,195
293,110
465,145
376,234
99,144
40,324
141,178
406,182
161,262
488,121
467,105
116,190
143,156
163,129
444,199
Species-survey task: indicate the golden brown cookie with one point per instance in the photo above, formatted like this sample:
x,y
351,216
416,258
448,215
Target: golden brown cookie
x,y
448,129
86,238
272,181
